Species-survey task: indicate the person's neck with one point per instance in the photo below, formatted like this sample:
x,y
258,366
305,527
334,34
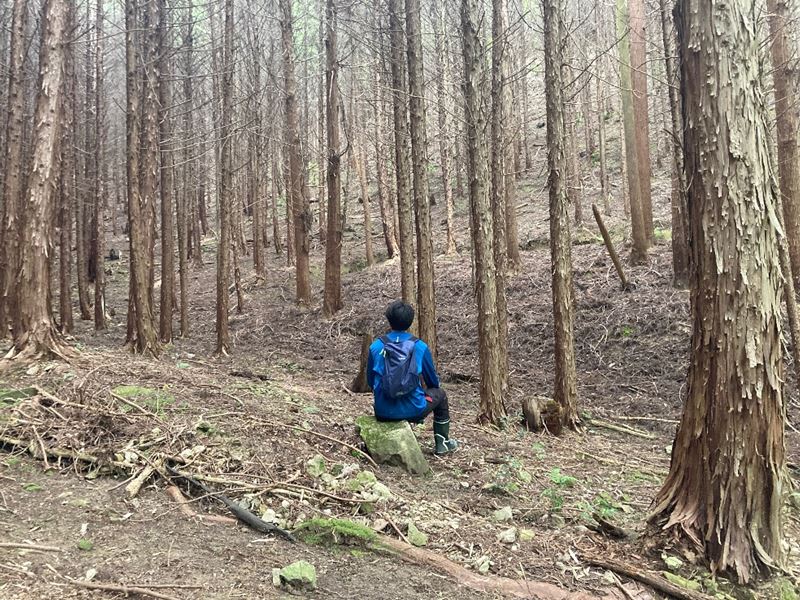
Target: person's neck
x,y
398,331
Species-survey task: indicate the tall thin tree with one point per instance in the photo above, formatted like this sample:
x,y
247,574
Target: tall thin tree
x,y
12,177
426,295
565,393
226,187
295,191
167,173
405,209
492,409
332,301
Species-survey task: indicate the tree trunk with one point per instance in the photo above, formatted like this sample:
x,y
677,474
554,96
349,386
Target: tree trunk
x,y
605,190
680,225
725,488
141,324
98,221
276,221
13,178
492,409
225,188
574,178
66,185
384,193
166,172
565,392
332,302
635,193
360,383
501,115
35,333
426,295
295,189
443,75
638,63
186,196
322,173
361,162
404,207
787,118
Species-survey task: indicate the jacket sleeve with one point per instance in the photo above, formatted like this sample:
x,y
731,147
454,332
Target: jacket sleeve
x,y
429,370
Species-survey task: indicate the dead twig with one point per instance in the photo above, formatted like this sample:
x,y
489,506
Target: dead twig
x,y
123,589
621,429
28,546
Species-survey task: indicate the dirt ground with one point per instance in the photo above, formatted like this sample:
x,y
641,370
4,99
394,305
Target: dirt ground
x,y
252,421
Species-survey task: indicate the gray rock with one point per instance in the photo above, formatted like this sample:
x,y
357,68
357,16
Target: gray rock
x,y
392,443
502,514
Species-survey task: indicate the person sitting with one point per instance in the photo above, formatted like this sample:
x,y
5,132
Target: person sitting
x,y
397,367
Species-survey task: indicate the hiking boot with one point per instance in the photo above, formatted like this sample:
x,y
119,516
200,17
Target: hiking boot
x,y
441,438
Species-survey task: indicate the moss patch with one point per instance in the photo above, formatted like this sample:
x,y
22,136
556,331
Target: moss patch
x,y
335,531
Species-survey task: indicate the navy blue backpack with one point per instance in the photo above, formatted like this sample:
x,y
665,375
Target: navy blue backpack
x,y
400,377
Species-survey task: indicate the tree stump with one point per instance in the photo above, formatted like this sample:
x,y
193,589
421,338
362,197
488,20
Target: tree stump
x,y
542,413
359,384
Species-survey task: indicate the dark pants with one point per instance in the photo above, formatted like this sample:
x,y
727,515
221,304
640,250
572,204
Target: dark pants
x,y
437,404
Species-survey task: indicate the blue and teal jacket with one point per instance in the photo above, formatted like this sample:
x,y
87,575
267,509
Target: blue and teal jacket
x,y
412,405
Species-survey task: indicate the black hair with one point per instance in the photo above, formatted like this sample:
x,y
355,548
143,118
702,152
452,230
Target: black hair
x,y
400,315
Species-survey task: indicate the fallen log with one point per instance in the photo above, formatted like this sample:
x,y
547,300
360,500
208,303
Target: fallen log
x,y
654,580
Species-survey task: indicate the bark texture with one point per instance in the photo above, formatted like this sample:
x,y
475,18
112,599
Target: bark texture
x,y
631,162
492,408
332,301
725,486
565,392
35,332
12,175
426,294
295,192
400,110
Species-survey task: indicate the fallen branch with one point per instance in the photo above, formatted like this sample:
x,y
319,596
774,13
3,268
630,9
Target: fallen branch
x,y
606,527
610,247
137,482
621,429
654,580
245,516
27,546
31,448
124,589
247,374
186,510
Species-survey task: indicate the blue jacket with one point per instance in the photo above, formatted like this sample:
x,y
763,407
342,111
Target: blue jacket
x,y
412,405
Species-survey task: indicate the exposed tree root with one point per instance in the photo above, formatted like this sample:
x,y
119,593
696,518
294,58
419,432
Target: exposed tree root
x,y
517,588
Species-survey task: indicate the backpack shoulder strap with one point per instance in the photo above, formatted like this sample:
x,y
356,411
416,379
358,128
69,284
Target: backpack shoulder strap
x,y
385,339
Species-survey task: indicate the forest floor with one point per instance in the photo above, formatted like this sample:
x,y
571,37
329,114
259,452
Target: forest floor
x,y
252,420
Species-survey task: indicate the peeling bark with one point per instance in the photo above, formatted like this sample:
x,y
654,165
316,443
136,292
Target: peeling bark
x,y
724,491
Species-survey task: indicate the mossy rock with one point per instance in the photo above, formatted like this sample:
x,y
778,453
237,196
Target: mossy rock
x,y
300,575
392,443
